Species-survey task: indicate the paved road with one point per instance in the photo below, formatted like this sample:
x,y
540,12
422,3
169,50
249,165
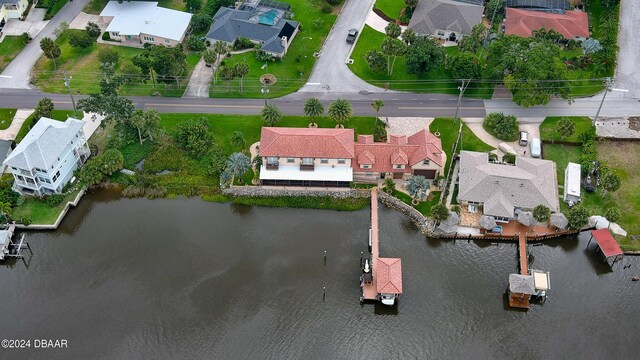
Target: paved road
x,y
396,104
331,69
16,74
627,72
613,107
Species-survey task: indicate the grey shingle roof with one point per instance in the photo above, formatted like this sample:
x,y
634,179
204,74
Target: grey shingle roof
x,y
5,146
451,15
43,144
229,24
521,284
2,2
503,187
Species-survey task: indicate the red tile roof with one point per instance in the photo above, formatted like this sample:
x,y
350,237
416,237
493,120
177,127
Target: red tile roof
x,y
400,150
307,142
389,272
607,243
570,24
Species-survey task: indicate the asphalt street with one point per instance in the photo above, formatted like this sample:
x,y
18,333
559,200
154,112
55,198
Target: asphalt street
x,y
16,74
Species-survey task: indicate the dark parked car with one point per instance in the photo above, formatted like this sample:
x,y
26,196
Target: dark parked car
x,y
351,37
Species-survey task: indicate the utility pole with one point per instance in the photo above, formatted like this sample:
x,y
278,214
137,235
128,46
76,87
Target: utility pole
x,y
462,88
608,83
265,91
67,84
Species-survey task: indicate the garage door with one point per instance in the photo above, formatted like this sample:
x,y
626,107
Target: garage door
x,y
397,175
429,174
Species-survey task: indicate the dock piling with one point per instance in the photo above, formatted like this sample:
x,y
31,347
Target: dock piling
x,y
325,258
324,293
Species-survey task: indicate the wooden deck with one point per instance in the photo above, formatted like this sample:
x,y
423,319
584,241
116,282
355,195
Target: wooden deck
x,y
369,290
522,249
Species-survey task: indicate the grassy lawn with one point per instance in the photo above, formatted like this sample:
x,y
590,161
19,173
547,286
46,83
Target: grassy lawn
x,y
83,66
436,81
54,9
624,160
9,48
39,212
424,206
548,128
60,115
6,118
391,8
448,134
294,70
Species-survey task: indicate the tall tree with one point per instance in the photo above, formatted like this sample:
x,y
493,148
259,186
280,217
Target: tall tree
x,y
439,212
376,60
411,3
313,108
220,48
464,66
610,182
237,140
137,121
340,111
418,187
51,50
376,105
409,36
241,70
5,210
565,128
392,48
151,122
423,56
541,213
237,165
612,214
194,137
578,217
44,108
271,115
210,57
193,5
112,160
472,42
111,106
392,29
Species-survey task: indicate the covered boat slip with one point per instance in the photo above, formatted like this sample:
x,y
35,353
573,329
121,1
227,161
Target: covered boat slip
x,y
607,245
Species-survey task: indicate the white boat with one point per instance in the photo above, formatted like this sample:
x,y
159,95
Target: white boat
x,y
388,299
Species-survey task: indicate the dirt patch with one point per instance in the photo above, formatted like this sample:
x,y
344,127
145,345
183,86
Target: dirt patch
x,y
634,123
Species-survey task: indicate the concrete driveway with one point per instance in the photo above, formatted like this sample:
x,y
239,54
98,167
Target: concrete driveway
x,y
33,24
16,74
627,74
530,125
200,81
330,73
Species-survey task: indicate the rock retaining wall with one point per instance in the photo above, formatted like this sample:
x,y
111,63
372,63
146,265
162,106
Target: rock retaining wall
x,y
261,191
424,224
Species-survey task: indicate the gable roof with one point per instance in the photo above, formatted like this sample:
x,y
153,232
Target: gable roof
x,y
145,17
43,144
571,24
229,24
389,273
307,142
400,150
451,15
501,188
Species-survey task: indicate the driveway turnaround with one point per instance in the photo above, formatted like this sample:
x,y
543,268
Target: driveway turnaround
x,y
16,74
331,73
627,72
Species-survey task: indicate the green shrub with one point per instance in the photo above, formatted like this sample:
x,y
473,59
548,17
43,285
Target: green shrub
x,y
504,127
243,43
215,161
52,200
93,30
509,158
108,55
195,43
106,37
327,9
80,39
164,158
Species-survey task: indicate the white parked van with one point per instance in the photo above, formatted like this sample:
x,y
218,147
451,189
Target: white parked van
x,y
536,148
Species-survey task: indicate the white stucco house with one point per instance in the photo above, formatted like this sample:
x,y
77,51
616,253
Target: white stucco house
x,y
44,161
11,9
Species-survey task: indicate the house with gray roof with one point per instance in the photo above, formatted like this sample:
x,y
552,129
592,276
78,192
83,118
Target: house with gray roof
x,y
446,19
44,161
503,190
262,22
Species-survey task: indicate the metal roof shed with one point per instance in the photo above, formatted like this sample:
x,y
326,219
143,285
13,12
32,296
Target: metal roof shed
x,y
572,177
607,244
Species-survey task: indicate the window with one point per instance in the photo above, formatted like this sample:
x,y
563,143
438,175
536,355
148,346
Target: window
x,y
148,38
307,161
44,180
440,33
342,161
290,160
272,160
399,166
324,161
55,177
19,177
426,162
166,41
14,168
365,166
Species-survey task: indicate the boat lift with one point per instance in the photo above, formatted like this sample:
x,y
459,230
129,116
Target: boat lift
x,y
11,249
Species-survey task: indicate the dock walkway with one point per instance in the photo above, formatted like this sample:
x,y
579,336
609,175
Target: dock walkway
x,y
522,248
370,290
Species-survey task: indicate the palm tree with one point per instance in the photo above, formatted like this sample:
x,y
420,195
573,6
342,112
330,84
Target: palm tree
x,y
376,106
241,70
5,209
237,140
237,165
340,112
210,57
220,48
271,115
151,122
313,108
418,188
137,121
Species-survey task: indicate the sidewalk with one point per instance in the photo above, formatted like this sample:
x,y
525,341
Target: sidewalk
x,y
18,119
377,23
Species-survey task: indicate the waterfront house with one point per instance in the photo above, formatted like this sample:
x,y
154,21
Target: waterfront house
x,y
504,190
306,156
400,157
262,22
44,161
446,19
570,24
11,9
5,150
135,23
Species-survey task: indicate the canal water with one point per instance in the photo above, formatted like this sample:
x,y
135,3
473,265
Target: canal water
x,y
187,279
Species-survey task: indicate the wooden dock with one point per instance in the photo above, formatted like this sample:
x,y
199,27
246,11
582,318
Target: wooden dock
x,y
369,290
522,248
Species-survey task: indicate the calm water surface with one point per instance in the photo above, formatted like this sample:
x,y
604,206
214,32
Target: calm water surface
x,y
186,279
